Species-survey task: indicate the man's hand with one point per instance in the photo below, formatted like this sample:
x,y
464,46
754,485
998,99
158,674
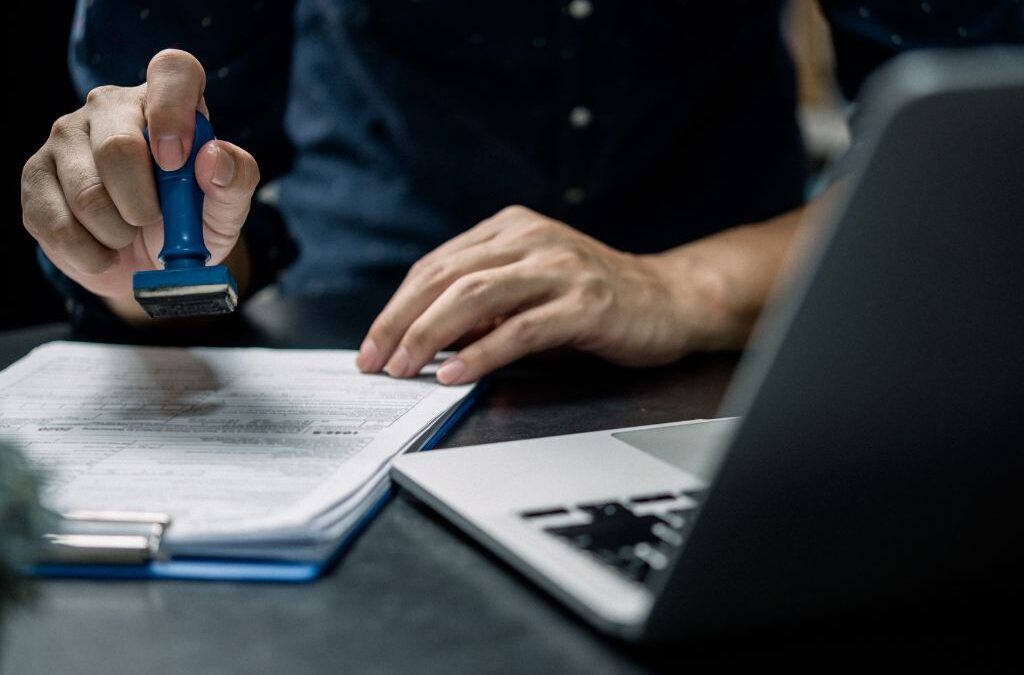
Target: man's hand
x,y
89,197
529,283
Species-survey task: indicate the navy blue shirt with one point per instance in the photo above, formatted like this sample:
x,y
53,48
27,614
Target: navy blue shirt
x,y
396,124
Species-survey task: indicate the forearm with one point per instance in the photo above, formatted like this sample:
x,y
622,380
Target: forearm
x,y
721,283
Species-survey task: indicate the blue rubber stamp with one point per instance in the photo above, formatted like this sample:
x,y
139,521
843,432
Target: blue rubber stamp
x,y
186,286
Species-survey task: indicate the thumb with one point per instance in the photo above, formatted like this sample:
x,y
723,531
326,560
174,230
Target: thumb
x,y
228,176
175,81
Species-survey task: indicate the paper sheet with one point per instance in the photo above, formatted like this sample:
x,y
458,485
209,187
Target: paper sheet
x,y
233,443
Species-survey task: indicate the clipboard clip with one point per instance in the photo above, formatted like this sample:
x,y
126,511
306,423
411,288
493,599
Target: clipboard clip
x,y
102,538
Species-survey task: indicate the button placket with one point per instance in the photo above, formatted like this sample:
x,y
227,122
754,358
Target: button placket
x,y
576,136
580,9
580,117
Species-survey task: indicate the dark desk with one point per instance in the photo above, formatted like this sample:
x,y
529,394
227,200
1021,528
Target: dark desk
x,y
412,595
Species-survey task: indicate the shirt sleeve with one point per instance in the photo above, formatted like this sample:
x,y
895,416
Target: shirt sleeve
x,y
866,33
245,47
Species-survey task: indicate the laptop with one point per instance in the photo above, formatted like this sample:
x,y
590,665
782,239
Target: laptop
x,y
869,450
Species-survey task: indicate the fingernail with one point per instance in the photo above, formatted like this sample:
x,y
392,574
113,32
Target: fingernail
x,y
170,153
224,167
451,371
368,357
399,363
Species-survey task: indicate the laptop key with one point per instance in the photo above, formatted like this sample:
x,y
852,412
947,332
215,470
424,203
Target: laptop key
x,y
543,513
619,538
668,534
606,510
613,526
637,570
652,499
629,563
676,518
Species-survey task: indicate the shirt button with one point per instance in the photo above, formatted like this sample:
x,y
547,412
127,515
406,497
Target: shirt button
x,y
580,117
580,9
574,196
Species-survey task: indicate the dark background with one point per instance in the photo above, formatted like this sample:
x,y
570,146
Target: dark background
x,y
38,92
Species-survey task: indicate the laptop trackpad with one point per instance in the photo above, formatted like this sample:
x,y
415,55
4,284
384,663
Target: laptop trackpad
x,y
695,448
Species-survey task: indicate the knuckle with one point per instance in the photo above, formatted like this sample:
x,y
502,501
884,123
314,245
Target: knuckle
x,y
92,199
418,340
32,175
99,94
28,222
567,257
120,238
527,331
32,214
433,275
252,172
515,211
118,234
383,330
473,289
222,237
121,147
63,127
61,233
536,228
419,267
594,291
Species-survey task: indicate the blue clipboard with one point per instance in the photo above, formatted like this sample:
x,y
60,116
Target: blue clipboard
x,y
239,569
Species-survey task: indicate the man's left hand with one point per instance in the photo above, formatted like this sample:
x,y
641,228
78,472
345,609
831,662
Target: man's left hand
x,y
519,283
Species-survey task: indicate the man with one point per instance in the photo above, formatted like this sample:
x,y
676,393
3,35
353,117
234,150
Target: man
x,y
653,146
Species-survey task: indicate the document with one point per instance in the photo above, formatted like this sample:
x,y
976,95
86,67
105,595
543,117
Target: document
x,y
241,447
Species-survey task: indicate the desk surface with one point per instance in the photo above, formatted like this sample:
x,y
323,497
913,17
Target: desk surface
x,y
412,594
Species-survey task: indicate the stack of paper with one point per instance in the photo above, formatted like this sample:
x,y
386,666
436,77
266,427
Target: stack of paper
x,y
254,453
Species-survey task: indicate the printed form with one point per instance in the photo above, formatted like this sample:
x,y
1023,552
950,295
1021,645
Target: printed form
x,y
242,444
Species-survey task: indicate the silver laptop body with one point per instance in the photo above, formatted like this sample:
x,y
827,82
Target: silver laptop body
x,y
870,451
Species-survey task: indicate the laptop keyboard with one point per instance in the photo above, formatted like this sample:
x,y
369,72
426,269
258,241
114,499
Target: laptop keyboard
x,y
635,536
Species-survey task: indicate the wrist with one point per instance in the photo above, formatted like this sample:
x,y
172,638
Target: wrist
x,y
720,284
699,299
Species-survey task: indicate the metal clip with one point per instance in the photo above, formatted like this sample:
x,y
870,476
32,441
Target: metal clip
x,y
103,538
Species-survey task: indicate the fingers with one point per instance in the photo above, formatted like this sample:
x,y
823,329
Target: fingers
x,y
484,231
90,191
122,156
228,175
529,281
175,83
50,220
539,328
426,281
484,295
87,196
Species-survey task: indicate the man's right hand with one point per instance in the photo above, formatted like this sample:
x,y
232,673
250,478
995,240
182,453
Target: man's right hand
x,y
89,196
